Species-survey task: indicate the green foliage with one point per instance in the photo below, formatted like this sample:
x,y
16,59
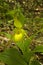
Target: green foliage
x,y
23,54
35,62
12,57
39,48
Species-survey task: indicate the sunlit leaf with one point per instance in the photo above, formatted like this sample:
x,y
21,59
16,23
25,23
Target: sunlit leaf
x,y
38,49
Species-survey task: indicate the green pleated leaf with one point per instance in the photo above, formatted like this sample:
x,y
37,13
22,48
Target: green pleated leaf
x,y
35,62
12,57
28,55
11,13
38,49
7,35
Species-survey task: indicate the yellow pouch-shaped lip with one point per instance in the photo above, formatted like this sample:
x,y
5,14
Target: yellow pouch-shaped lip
x,y
18,37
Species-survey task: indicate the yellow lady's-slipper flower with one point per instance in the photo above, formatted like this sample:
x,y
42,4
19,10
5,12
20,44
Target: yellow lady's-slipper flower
x,y
18,36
